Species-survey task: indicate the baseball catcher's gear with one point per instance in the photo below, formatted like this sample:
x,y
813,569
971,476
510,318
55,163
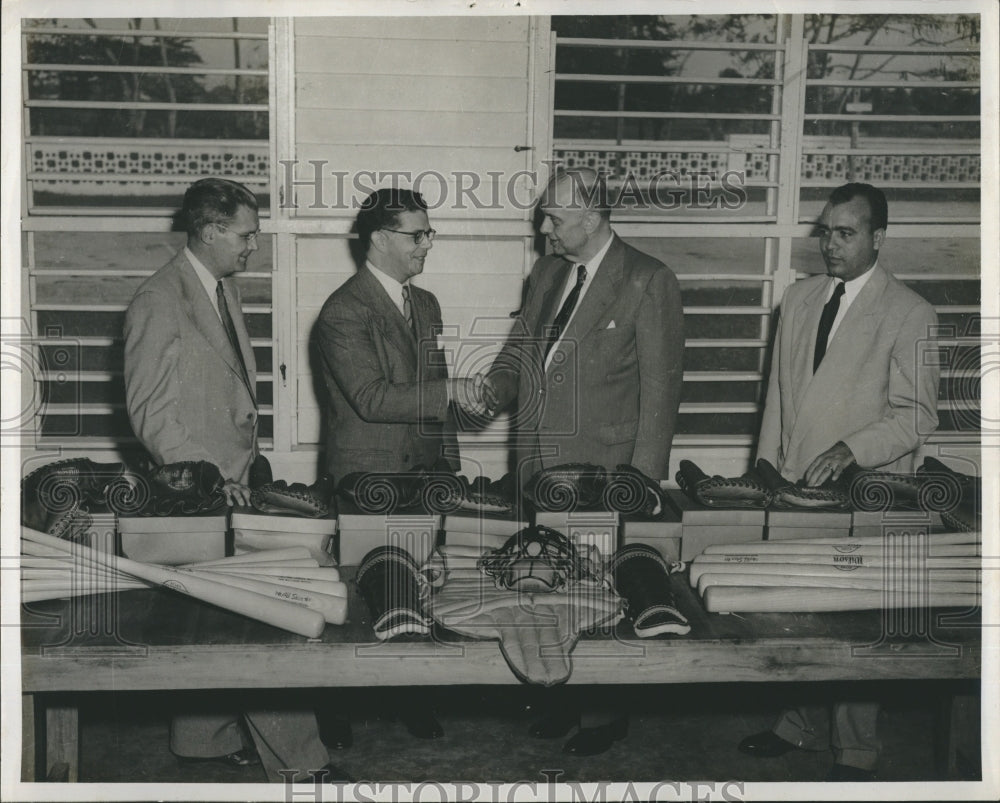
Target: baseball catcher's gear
x,y
393,589
789,496
629,491
962,509
297,499
882,490
57,497
571,486
489,497
260,473
642,578
187,488
747,491
537,559
381,493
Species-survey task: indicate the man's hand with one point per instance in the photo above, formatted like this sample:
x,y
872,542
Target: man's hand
x,y
236,493
467,393
490,394
829,465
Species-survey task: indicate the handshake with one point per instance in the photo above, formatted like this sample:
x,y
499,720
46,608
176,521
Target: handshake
x,y
477,395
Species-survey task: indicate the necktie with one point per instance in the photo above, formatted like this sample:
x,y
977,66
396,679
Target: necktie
x,y
408,311
227,322
826,324
566,310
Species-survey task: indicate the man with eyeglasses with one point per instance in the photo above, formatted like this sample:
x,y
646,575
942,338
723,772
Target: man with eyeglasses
x,y
389,394
190,392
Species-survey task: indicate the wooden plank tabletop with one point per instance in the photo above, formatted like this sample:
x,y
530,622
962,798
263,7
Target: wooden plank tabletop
x,y
158,639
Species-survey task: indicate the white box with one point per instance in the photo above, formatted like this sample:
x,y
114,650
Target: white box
x,y
663,536
103,533
787,525
701,525
359,533
254,531
487,531
893,522
599,528
172,540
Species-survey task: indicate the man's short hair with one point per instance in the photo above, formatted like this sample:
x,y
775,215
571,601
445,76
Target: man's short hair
x,y
876,201
381,210
590,188
214,200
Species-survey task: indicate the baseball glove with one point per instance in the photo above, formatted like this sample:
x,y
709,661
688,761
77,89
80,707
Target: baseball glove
x,y
186,488
538,559
382,493
488,496
790,496
629,491
957,497
311,501
882,490
571,486
747,491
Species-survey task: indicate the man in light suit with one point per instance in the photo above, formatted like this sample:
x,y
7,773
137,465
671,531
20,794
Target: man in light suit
x,y
853,380
387,383
190,391
593,371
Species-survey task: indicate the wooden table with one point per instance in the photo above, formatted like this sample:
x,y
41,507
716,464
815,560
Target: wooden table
x,y
160,640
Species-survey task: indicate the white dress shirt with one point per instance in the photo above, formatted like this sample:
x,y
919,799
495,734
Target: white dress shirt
x,y
851,290
393,287
208,281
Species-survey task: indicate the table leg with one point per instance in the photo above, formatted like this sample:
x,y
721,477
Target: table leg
x,y
28,769
957,753
62,742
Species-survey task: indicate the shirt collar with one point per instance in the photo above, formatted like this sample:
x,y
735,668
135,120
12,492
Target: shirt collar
x,y
595,261
392,286
853,287
204,275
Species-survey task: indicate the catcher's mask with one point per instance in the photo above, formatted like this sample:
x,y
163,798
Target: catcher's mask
x,y
536,559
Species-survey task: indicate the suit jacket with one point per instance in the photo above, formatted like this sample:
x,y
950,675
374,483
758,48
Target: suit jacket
x,y
874,389
610,393
388,396
185,392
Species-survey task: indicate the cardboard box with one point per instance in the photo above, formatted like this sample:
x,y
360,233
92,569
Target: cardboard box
x,y
486,530
664,535
358,533
894,522
172,540
254,531
701,525
599,528
785,525
102,534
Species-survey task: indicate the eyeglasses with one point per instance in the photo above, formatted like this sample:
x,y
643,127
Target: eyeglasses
x,y
419,237
249,239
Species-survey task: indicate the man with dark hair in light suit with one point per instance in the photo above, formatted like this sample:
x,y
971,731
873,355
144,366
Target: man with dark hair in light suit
x,y
190,390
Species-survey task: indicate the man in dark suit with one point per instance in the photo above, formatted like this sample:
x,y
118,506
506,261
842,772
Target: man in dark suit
x,y
190,392
386,379
851,382
592,370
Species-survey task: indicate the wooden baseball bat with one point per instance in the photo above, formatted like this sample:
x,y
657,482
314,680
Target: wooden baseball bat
x,y
267,556
910,584
325,573
334,588
932,538
819,574
774,564
332,609
40,595
888,549
742,599
291,617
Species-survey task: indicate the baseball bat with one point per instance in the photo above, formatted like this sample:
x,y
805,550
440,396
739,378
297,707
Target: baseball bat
x,y
743,599
40,595
333,609
911,584
888,549
821,573
932,538
294,618
325,573
334,588
266,556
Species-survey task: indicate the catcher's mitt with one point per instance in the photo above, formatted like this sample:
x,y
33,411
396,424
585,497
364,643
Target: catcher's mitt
x,y
382,493
629,491
571,486
747,491
957,497
186,488
538,559
311,501
58,497
789,496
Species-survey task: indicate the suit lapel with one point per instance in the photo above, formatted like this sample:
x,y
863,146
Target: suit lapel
x,y
242,335
603,290
386,315
548,308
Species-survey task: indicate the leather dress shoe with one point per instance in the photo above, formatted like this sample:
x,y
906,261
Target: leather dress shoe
x,y
554,725
335,732
841,773
594,741
421,723
247,757
331,773
766,744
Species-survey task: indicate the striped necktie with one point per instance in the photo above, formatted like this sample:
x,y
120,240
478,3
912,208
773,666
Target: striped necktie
x,y
408,311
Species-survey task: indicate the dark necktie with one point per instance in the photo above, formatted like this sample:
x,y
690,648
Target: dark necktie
x,y
227,322
826,324
408,311
565,311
